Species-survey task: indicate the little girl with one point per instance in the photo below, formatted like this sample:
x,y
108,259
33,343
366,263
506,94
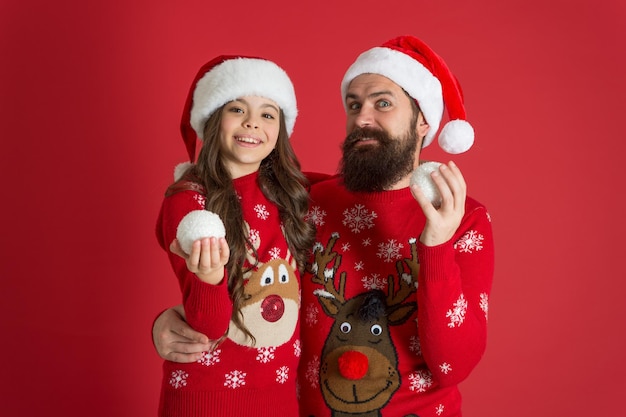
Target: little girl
x,y
243,291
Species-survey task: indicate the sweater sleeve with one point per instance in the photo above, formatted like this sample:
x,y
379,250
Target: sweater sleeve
x,y
454,283
208,307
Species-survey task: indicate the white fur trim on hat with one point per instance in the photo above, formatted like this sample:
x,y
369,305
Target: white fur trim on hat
x,y
409,74
241,77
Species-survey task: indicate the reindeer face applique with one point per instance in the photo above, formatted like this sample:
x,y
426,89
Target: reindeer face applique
x,y
272,302
359,364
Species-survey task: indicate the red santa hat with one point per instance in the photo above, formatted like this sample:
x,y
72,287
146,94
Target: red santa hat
x,y
410,63
226,78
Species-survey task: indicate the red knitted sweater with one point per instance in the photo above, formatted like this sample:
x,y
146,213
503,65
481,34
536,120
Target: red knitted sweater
x,y
390,326
237,378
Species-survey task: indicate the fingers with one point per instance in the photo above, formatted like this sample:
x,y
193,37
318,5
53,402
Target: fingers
x,y
183,333
185,352
183,357
193,259
443,221
451,185
224,251
210,256
188,349
207,254
422,200
175,340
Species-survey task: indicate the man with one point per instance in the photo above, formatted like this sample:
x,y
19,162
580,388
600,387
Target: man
x,y
395,298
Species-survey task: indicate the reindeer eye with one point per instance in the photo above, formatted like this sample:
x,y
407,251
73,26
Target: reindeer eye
x,y
376,330
345,327
268,277
283,274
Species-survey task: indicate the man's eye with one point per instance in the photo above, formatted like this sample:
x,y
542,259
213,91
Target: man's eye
x,y
353,106
384,103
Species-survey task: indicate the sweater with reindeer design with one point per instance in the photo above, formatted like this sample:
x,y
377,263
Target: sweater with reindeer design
x,y
390,327
238,377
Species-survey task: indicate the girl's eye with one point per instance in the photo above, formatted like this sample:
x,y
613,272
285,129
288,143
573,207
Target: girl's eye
x,y
268,116
235,110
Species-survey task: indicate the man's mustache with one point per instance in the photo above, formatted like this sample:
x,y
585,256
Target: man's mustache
x,y
361,133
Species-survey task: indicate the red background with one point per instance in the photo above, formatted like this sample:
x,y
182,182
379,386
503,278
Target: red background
x,y
91,94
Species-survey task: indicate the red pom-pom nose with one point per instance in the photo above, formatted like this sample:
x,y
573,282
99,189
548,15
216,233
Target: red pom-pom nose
x,y
353,364
272,308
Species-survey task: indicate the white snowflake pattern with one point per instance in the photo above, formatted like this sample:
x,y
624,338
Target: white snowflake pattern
x,y
312,371
420,381
297,348
210,358
358,266
254,236
484,304
457,314
415,346
471,241
261,211
316,215
179,379
439,409
345,247
373,282
235,379
275,252
389,251
445,368
358,218
282,374
200,199
366,242
265,354
310,316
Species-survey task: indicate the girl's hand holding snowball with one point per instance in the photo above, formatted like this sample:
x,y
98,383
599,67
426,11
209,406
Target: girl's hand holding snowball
x,y
200,241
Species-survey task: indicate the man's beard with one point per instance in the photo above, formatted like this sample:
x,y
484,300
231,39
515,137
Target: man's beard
x,y
373,167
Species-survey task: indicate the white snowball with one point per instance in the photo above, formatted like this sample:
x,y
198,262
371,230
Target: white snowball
x,y
198,224
421,178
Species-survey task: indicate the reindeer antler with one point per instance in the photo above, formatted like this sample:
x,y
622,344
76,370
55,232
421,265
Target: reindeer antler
x,y
406,281
399,310
322,257
252,252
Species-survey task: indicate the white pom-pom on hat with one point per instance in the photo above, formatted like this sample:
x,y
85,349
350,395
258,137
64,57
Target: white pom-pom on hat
x,y
198,224
457,136
424,75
